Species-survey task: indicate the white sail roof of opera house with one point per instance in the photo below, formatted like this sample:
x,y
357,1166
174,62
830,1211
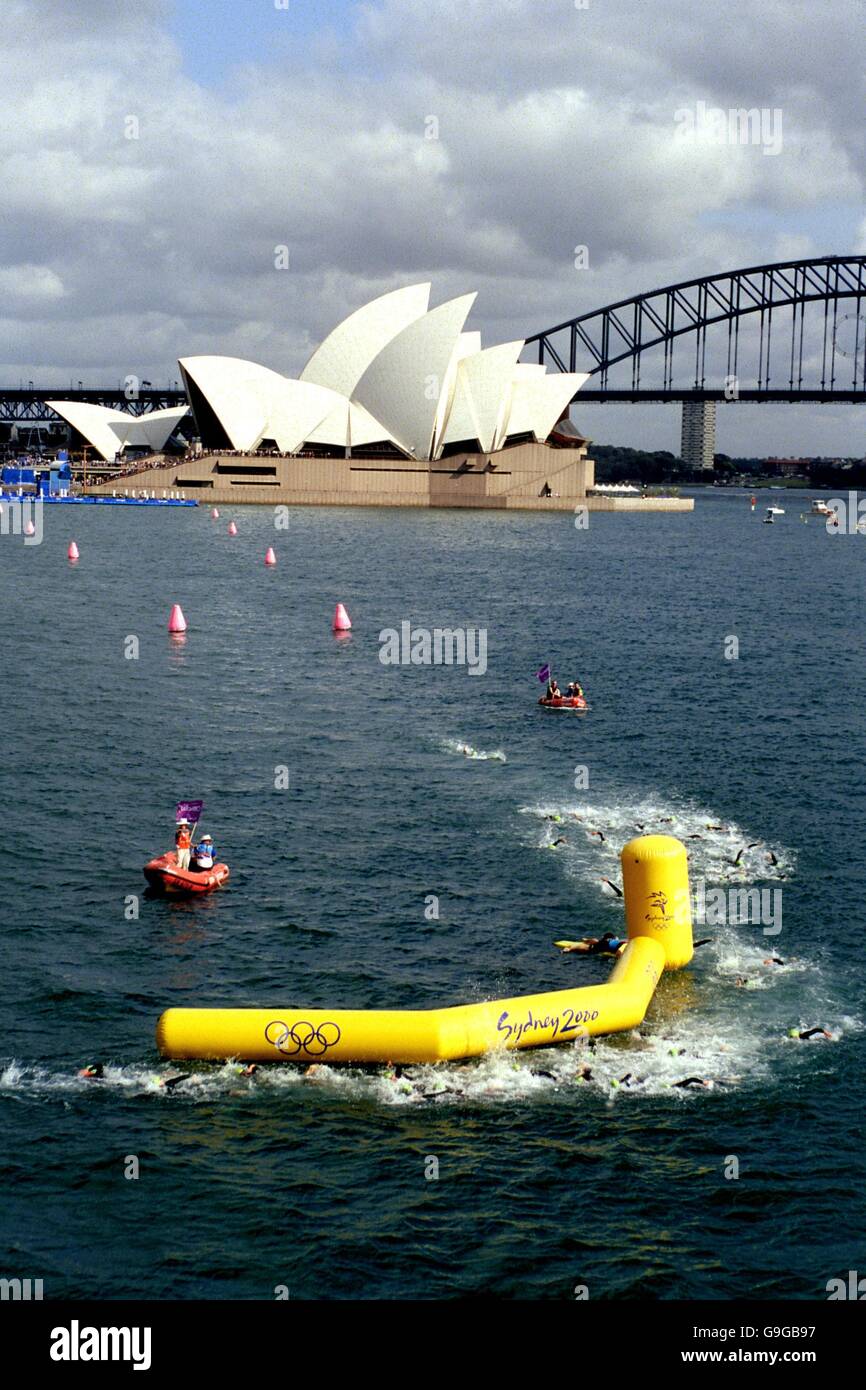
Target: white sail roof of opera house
x,y
108,431
348,424
394,373
403,385
482,395
537,401
344,356
253,403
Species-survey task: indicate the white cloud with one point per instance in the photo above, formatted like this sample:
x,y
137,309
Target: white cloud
x,y
29,283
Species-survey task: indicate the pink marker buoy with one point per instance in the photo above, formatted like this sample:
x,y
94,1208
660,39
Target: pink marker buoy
x,y
30,529
342,621
215,514
72,552
270,557
233,530
176,622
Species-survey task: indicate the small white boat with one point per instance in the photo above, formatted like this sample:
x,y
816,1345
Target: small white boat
x,y
820,508
776,511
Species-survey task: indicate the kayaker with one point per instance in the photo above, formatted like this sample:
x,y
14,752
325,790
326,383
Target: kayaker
x,y
205,853
183,843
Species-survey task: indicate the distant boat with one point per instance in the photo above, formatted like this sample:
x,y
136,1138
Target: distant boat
x,y
820,508
777,511
769,518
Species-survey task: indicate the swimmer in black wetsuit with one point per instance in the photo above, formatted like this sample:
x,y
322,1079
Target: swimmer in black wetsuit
x,y
692,1081
809,1033
168,1083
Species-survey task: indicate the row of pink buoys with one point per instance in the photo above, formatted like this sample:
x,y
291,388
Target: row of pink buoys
x,y
270,553
177,622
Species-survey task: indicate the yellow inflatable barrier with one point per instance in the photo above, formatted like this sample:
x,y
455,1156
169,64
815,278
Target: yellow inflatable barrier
x,y
655,888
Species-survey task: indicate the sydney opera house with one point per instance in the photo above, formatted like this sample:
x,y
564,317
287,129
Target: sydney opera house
x,y
400,405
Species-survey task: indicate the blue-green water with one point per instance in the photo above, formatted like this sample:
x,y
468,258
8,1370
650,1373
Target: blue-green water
x,y
320,1184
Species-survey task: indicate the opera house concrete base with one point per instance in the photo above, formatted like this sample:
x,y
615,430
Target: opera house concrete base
x,y
526,476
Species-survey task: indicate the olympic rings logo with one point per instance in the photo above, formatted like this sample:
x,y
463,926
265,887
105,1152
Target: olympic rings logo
x,y
290,1039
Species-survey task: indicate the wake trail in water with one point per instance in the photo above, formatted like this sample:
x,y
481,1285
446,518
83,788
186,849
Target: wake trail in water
x,y
453,745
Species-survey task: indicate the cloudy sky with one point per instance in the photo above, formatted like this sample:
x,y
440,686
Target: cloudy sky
x,y
154,154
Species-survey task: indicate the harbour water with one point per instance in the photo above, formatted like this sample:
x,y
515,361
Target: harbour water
x,y
406,782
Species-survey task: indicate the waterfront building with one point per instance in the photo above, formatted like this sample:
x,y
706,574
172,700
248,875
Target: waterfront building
x,y
698,441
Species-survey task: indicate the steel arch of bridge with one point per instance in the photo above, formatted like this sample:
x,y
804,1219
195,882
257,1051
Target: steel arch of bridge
x,y
836,285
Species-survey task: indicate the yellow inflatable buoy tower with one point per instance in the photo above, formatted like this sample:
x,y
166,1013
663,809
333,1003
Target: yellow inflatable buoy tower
x,y
658,918
655,887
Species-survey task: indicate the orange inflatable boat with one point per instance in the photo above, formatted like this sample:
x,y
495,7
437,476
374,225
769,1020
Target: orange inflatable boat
x,y
164,875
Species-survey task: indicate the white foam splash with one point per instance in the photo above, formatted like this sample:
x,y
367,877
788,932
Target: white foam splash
x,y
453,745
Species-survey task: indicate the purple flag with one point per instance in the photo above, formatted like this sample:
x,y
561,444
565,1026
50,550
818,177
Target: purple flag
x,y
189,810
543,675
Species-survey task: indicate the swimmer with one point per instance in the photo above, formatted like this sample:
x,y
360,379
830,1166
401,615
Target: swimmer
x,y
310,1071
612,885
774,960
94,1072
599,834
168,1083
249,1070
439,1091
740,853
607,945
809,1033
693,1081
553,817
583,1073
704,941
772,858
556,843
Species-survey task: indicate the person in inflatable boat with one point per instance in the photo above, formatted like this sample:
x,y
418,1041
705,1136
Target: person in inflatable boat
x,y
205,853
183,843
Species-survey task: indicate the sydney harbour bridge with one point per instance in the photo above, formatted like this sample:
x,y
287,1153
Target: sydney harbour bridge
x,y
789,331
